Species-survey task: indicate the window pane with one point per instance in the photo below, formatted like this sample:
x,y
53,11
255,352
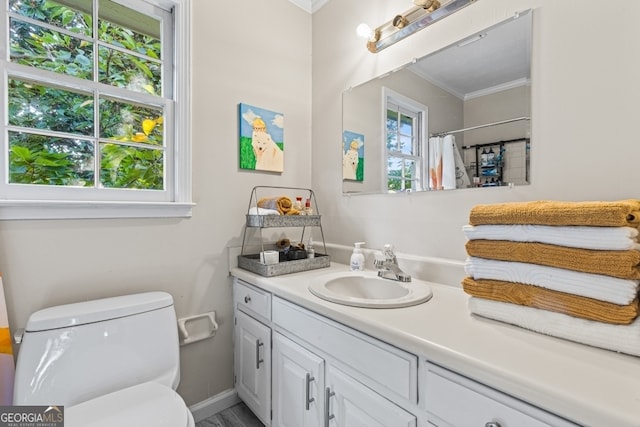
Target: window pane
x,y
39,159
125,37
131,123
125,28
392,141
406,125
129,71
406,145
37,106
409,169
394,166
392,130
55,14
131,167
38,47
394,184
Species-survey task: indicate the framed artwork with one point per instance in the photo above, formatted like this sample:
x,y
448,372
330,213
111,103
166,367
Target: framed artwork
x,y
352,156
261,139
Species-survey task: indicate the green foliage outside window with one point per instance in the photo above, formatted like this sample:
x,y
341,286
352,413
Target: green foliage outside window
x,y
54,138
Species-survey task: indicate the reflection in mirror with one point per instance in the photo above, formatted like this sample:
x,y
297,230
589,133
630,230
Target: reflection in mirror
x,y
456,118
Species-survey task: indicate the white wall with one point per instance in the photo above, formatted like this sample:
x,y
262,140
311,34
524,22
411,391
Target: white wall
x,y
585,93
242,52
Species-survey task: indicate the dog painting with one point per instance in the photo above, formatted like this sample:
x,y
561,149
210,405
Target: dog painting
x,y
261,139
352,156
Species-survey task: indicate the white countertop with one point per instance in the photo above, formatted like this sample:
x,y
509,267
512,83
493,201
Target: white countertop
x,y
586,385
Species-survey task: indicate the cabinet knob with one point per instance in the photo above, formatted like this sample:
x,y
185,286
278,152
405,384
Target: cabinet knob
x,y
492,424
247,299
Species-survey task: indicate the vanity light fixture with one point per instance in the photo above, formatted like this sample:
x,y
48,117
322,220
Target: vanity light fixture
x,y
425,13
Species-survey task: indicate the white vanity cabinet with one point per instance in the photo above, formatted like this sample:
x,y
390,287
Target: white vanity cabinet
x,y
252,349
452,400
334,376
297,368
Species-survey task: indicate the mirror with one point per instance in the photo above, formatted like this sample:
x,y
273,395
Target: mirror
x,y
456,118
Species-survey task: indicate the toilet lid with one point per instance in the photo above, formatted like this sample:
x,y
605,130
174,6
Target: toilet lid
x,y
148,404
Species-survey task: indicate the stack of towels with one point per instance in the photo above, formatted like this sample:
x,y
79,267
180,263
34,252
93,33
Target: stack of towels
x,y
566,269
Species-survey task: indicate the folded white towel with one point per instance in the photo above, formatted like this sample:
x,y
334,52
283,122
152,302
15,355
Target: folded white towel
x,y
604,288
261,211
621,338
599,238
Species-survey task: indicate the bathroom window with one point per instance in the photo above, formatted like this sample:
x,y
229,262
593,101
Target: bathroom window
x,y
405,123
91,107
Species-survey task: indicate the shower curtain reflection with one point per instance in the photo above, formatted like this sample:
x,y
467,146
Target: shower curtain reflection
x,y
442,166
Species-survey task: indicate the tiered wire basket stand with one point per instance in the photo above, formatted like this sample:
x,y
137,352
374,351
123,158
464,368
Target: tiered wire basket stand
x,y
252,262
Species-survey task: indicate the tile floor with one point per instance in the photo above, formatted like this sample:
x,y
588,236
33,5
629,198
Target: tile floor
x,y
236,416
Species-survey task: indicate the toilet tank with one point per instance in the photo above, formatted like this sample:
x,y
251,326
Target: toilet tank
x,y
75,352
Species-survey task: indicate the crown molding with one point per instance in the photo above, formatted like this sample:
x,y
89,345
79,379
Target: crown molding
x,y
310,6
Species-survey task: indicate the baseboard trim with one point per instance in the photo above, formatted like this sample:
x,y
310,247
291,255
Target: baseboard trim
x,y
214,404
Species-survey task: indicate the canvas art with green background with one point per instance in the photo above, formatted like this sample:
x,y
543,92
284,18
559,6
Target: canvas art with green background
x,y
261,139
352,156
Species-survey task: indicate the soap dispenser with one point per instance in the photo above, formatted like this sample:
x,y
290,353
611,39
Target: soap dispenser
x,y
357,258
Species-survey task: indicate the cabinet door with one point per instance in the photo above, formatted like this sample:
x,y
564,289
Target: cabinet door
x,y
252,365
298,385
351,404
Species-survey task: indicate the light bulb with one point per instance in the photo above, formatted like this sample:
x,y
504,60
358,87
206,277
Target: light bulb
x,y
364,31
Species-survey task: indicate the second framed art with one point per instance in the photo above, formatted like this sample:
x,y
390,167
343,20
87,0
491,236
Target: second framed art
x,y
261,139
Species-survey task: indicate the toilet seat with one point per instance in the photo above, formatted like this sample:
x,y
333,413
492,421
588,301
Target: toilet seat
x,y
143,405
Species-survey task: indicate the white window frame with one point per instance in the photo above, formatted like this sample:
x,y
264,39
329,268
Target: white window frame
x,y
389,95
38,204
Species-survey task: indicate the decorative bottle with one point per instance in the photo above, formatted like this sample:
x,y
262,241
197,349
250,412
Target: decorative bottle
x,y
484,157
491,157
308,210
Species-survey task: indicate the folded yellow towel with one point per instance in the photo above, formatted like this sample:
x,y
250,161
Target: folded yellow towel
x,y
282,204
546,299
622,213
622,264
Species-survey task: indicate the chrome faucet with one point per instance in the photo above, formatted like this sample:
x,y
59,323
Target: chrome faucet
x,y
388,268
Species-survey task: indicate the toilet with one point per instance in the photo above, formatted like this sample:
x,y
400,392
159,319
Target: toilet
x,y
109,362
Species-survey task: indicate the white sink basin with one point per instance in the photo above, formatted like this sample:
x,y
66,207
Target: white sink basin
x,y
366,289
